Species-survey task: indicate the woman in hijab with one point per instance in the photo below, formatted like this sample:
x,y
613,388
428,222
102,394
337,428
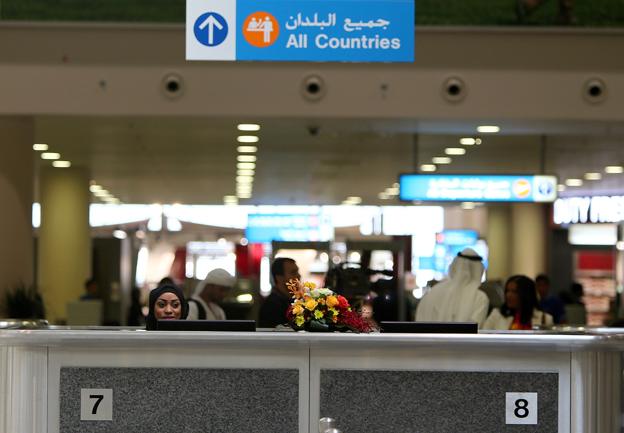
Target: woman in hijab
x,y
457,298
166,303
521,309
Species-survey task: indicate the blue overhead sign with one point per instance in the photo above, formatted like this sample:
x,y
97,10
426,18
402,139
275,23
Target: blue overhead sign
x,y
484,188
300,30
289,227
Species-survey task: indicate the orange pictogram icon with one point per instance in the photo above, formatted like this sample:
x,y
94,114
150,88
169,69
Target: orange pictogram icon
x,y
261,29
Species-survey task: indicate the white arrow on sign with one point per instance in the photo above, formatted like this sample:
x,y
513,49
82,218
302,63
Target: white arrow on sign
x,y
211,22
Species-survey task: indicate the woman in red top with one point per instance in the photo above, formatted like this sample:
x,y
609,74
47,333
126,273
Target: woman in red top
x,y
521,308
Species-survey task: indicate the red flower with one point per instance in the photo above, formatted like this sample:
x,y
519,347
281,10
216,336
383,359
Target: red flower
x,y
342,302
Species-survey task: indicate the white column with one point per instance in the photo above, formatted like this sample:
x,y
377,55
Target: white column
x,y
528,239
498,239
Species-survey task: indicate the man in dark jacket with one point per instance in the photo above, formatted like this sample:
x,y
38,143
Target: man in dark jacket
x,y
273,310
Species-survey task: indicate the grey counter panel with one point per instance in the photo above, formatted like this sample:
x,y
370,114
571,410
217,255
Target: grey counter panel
x,y
376,401
185,400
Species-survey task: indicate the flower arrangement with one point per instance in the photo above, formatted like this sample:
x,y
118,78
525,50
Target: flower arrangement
x,y
320,309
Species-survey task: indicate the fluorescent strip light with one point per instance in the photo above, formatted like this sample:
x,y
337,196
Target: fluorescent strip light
x,y
441,160
61,164
592,176
247,127
244,195
95,188
614,169
40,147
246,165
245,172
467,141
246,149
102,193
354,200
428,167
244,179
488,129
392,191
455,151
246,158
383,196
50,155
247,139
574,182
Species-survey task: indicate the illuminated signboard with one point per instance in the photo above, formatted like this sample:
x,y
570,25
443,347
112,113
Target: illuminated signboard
x,y
597,209
289,227
483,188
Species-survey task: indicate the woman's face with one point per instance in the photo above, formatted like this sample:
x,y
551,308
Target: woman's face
x,y
167,307
512,298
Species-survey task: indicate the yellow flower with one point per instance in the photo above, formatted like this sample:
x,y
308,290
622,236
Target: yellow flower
x,y
331,301
297,309
310,285
318,314
333,311
321,301
310,304
299,320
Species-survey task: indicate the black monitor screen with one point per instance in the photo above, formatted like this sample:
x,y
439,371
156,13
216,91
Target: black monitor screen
x,y
430,327
207,325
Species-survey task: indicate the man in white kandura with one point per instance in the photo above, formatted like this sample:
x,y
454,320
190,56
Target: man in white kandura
x,y
204,304
457,298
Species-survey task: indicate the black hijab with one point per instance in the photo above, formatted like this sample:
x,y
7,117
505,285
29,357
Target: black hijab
x,y
150,320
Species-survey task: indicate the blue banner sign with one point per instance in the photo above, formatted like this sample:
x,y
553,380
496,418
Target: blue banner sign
x,y
288,227
300,30
484,188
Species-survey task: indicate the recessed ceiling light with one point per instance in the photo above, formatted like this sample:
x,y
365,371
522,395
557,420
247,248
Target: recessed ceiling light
x,y
488,129
247,139
478,141
40,147
246,149
50,155
354,199
95,188
468,205
244,179
455,151
249,127
246,165
561,188
243,195
229,198
428,167
244,188
383,196
441,160
245,172
61,164
392,191
574,182
467,141
102,193
592,176
246,158
614,169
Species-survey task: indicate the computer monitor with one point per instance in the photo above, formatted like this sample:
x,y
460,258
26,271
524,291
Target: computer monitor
x,y
207,325
430,327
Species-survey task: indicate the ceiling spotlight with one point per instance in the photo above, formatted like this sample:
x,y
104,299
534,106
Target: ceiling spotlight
x,y
246,165
468,205
354,200
244,179
248,127
245,172
246,149
574,182
384,196
592,176
467,141
50,155
247,139
40,147
246,158
61,164
455,151
243,195
428,167
488,129
614,169
441,160
392,191
95,188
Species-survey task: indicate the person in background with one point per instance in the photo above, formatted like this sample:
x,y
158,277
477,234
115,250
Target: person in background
x,y
457,298
273,310
91,289
166,303
549,303
209,293
135,315
521,310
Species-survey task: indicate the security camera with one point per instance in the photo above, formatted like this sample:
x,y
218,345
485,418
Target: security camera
x,y
314,130
454,89
173,85
595,90
313,87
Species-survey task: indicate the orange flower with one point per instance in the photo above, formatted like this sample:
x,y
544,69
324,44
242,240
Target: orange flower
x,y
331,301
297,309
310,303
295,288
